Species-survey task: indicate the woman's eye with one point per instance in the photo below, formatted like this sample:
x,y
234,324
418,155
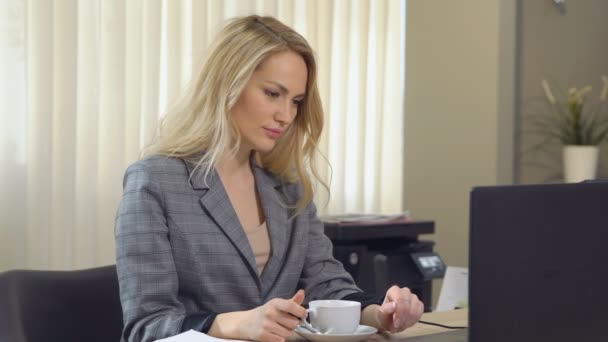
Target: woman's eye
x,y
297,102
271,93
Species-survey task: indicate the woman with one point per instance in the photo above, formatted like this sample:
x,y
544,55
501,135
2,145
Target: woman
x,y
216,230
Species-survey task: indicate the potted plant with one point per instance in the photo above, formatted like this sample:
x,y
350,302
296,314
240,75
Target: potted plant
x,y
578,123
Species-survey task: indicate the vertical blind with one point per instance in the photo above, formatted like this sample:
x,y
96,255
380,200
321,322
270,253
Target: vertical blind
x,y
84,83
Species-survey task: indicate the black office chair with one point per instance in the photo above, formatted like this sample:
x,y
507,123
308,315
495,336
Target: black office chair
x,y
82,305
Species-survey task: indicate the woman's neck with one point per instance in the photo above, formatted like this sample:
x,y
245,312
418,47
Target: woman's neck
x,y
235,166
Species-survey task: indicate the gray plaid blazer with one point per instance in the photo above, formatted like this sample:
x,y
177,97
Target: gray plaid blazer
x,y
181,251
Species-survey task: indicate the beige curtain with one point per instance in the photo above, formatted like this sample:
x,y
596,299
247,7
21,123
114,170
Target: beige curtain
x,y
85,81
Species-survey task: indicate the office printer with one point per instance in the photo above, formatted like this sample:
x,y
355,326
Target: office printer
x,y
379,255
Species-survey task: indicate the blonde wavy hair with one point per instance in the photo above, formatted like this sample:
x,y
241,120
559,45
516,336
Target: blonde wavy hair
x,y
200,120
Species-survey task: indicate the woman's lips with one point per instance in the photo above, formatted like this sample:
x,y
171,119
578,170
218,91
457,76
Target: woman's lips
x,y
273,133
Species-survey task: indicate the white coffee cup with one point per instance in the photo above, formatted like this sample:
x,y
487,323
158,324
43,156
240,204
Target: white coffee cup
x,y
334,316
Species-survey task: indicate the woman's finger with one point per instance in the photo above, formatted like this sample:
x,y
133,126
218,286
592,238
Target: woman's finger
x,y
298,297
413,314
288,306
401,315
288,321
395,292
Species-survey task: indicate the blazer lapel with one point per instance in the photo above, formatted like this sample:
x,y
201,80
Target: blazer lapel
x,y
216,203
276,214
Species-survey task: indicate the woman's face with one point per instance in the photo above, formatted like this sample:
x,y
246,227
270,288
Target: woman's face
x,y
269,102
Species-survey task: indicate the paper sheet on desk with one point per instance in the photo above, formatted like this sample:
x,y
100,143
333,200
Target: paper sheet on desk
x,y
455,289
192,336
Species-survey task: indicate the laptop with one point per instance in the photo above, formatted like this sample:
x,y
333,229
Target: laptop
x,y
538,265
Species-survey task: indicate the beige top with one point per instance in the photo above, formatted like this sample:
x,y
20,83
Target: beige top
x,y
260,245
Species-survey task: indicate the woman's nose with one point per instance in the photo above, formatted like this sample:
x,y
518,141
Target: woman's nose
x,y
286,112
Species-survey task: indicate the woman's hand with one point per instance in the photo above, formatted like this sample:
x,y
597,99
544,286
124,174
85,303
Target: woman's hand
x,y
275,320
400,310
271,322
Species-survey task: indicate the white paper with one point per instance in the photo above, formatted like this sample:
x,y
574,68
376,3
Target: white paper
x,y
192,336
455,289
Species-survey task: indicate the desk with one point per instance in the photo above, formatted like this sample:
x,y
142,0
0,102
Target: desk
x,y
458,318
451,318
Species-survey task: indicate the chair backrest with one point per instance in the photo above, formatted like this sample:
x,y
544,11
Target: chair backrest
x,y
82,305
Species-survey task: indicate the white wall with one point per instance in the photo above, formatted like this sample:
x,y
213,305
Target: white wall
x,y
459,111
570,48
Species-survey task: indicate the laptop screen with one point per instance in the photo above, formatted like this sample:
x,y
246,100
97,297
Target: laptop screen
x,y
538,263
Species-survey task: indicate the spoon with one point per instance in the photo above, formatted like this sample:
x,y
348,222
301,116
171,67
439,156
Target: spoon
x,y
304,324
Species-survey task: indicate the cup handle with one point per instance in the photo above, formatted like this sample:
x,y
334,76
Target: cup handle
x,y
311,312
306,324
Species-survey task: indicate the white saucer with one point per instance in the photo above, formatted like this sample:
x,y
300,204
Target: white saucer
x,y
361,334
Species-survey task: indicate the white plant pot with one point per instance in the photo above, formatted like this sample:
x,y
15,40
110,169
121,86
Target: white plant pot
x,y
580,162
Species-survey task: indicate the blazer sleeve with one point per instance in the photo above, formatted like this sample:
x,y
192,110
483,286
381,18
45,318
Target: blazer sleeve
x,y
323,277
147,274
